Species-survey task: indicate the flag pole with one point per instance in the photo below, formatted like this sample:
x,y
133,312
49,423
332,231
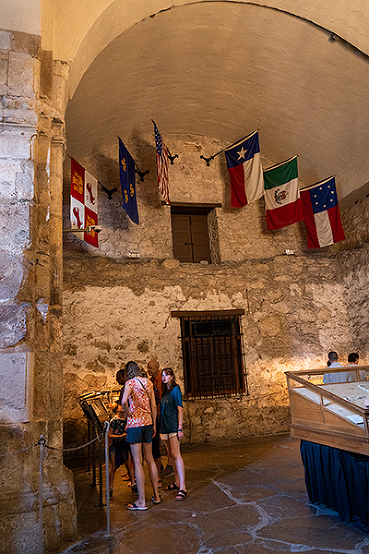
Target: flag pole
x,y
318,183
281,163
138,171
208,160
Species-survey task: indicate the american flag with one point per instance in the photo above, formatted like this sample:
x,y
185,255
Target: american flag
x,y
162,164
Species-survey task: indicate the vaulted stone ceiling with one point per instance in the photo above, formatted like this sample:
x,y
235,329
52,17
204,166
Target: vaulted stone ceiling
x,y
222,70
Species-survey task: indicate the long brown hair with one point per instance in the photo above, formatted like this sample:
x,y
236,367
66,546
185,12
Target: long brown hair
x,y
173,383
132,370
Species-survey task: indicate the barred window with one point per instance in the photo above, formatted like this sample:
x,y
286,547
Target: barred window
x,y
212,353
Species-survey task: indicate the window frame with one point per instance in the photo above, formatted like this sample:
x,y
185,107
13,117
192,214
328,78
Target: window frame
x,y
194,214
225,371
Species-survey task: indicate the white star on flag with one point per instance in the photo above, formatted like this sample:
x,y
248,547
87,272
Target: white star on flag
x,y
241,153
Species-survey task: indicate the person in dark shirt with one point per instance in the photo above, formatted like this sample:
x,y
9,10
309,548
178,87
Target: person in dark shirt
x,y
171,429
121,379
119,449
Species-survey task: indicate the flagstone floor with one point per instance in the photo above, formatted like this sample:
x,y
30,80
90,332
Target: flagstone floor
x,y
245,497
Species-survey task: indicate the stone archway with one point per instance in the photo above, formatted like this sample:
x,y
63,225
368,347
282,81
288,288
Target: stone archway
x,y
34,93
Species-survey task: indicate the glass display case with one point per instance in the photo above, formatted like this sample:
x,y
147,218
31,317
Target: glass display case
x,y
331,413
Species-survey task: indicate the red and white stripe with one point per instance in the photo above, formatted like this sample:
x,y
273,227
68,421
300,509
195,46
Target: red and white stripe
x,y
163,176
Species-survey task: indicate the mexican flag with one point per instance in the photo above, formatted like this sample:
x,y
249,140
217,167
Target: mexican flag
x,y
282,195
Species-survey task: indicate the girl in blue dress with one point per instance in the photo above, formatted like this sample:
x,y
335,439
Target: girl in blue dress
x,y
171,428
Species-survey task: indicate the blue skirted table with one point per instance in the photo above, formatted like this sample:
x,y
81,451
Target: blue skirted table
x,y
338,479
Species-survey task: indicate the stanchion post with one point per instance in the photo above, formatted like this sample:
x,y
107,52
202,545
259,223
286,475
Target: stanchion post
x,y
41,443
101,503
94,461
89,436
106,428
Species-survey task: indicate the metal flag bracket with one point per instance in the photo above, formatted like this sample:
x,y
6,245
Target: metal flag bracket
x,y
87,229
141,173
208,160
109,192
172,158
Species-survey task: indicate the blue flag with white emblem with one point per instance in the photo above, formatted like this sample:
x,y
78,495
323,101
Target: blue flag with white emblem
x,y
127,181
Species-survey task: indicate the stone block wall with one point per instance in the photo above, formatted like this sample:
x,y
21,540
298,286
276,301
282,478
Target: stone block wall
x,y
31,154
297,307
295,312
243,232
352,257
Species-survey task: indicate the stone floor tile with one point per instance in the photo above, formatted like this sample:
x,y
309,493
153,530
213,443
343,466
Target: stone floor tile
x,y
279,507
328,533
230,519
226,539
247,497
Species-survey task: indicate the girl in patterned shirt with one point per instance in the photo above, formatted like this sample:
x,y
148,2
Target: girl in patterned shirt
x,y
140,407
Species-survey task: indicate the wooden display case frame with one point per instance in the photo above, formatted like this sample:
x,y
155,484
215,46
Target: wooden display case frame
x,y
332,414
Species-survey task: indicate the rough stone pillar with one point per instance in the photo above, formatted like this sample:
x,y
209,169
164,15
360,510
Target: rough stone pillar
x,y
32,146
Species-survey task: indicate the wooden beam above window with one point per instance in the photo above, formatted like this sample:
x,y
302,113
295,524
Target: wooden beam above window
x,y
212,313
192,205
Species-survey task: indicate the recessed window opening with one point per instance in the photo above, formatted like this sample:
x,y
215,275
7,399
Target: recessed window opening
x,y
190,233
212,353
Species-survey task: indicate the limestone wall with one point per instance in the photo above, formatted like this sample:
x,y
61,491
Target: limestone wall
x,y
87,27
353,261
291,320
241,234
31,154
117,309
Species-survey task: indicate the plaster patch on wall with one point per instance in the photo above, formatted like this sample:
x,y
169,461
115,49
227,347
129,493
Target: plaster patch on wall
x,y
16,386
43,307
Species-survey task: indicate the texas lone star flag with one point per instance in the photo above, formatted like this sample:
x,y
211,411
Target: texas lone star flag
x,y
322,215
83,202
282,195
245,171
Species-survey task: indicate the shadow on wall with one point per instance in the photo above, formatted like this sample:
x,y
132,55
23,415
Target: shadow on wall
x,y
144,154
106,170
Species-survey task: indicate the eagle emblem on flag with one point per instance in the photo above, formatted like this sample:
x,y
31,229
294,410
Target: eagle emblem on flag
x,y
280,195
